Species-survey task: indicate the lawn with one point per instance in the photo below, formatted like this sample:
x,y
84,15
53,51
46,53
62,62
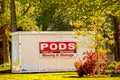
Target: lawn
x,y
6,75
48,76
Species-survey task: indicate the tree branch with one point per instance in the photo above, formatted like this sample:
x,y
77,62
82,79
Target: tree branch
x,y
25,11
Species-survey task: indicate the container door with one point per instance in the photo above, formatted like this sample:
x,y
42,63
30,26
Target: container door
x,y
29,53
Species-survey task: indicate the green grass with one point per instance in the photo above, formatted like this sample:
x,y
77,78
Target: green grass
x,y
48,76
5,75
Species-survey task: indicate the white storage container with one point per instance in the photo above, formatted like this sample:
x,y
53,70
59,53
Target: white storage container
x,y
46,51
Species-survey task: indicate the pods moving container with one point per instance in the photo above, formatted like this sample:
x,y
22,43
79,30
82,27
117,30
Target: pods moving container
x,y
46,51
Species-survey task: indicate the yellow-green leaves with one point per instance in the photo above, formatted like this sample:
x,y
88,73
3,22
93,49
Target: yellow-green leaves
x,y
78,23
110,42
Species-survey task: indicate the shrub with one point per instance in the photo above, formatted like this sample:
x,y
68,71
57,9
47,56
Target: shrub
x,y
117,67
113,69
88,65
110,68
117,70
79,67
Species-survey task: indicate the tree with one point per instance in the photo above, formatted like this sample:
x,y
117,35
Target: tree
x,y
13,15
25,14
90,15
117,37
3,27
68,15
49,15
23,20
84,15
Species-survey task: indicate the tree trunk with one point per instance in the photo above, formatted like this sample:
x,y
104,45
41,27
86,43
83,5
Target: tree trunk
x,y
13,15
117,38
6,53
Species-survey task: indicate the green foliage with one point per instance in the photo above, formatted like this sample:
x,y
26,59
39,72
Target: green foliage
x,y
25,13
4,15
77,15
90,15
112,68
61,15
51,17
4,67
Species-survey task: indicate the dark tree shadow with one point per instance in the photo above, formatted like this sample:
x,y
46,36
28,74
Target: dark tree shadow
x,y
71,77
5,71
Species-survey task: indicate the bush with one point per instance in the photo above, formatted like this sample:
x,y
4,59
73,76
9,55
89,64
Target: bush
x,y
88,64
113,69
117,67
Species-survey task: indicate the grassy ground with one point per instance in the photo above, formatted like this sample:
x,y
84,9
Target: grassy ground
x,y
49,76
6,75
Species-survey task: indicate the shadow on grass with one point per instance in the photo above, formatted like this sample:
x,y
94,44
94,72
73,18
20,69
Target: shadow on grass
x,y
5,71
5,68
71,77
